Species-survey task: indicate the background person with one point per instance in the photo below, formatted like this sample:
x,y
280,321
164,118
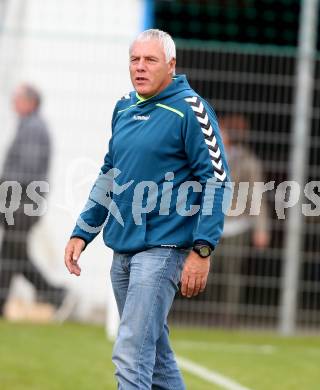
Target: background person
x,y
243,231
27,160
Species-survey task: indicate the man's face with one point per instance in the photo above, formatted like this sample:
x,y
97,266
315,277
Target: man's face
x,y
149,71
21,103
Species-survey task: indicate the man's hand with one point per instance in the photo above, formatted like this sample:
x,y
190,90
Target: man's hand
x,y
260,239
72,254
194,275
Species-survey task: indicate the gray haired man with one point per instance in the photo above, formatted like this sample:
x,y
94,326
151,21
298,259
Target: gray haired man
x,y
166,138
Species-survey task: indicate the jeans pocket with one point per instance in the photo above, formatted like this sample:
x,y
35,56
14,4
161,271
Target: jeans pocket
x,y
180,257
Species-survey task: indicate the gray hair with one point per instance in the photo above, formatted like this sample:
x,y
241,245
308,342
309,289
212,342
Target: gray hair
x,y
32,93
163,37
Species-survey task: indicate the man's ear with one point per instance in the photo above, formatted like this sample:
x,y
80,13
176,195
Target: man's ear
x,y
172,65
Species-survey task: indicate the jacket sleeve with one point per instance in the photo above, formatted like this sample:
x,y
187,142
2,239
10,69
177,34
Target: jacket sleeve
x,y
95,212
91,220
206,157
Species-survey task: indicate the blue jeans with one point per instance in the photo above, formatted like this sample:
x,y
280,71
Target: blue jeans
x,y
144,286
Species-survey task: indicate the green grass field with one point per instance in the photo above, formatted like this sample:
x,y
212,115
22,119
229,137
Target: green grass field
x,y
75,356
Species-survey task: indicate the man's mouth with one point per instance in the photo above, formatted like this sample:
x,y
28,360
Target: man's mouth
x,y
141,79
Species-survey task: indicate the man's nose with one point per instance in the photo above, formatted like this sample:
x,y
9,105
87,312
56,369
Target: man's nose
x,y
141,65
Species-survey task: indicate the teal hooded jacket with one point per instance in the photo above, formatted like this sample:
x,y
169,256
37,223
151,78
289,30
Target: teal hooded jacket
x,y
164,181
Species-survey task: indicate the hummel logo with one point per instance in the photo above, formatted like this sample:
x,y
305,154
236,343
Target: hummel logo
x,y
141,117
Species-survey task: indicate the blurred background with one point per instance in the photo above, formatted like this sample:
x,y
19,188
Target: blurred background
x,y
257,63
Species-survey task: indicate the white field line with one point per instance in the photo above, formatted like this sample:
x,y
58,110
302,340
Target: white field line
x,y
209,375
232,347
266,349
313,351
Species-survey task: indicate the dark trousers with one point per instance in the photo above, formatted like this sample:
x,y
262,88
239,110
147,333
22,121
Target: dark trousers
x,y
14,259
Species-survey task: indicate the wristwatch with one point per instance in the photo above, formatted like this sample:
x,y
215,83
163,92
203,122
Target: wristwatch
x,y
202,249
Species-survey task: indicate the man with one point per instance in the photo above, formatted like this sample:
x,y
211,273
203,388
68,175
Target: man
x,y
243,231
246,167
27,161
165,144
